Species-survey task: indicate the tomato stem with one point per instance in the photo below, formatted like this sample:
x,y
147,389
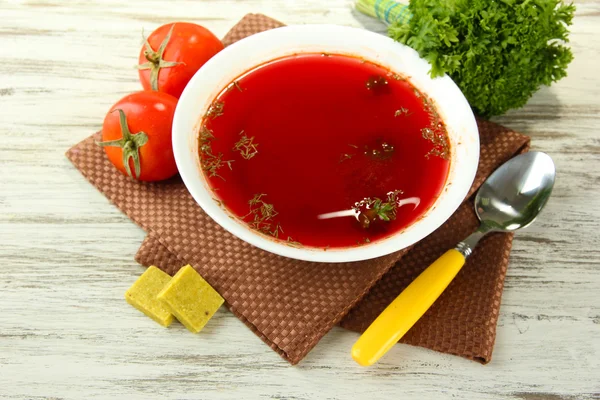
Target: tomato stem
x,y
130,144
155,59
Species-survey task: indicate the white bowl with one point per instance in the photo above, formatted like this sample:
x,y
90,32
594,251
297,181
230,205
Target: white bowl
x,y
257,49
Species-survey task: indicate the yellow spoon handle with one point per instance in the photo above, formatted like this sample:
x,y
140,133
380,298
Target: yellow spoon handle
x,y
407,308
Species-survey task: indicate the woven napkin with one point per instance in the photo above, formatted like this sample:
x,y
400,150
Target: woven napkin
x,y
292,304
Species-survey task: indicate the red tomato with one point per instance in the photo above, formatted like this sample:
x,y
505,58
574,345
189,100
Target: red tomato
x,y
185,48
136,135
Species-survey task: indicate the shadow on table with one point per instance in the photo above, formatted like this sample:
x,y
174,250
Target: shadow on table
x,y
543,106
370,23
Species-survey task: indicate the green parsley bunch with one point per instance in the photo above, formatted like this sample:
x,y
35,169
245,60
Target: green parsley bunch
x,y
499,52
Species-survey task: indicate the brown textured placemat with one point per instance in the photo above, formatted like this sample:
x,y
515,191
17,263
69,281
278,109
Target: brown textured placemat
x,y
291,304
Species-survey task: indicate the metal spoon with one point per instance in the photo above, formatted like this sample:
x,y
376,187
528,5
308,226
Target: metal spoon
x,y
511,198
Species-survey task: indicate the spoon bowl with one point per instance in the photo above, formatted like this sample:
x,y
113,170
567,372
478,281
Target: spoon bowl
x,y
513,196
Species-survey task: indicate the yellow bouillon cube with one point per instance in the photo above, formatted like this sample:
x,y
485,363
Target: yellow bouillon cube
x,y
142,295
191,299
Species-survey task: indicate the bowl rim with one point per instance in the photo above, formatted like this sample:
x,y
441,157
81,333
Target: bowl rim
x,y
243,55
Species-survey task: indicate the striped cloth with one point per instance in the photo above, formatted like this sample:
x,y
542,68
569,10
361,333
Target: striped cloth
x,y
387,11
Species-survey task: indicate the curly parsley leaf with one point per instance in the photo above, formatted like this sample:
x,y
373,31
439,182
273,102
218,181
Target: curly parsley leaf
x,y
498,52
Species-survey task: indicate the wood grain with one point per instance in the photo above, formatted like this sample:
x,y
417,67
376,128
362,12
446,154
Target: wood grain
x,y
67,254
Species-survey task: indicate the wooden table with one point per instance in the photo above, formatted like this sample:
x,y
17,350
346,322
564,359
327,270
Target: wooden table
x,y
67,254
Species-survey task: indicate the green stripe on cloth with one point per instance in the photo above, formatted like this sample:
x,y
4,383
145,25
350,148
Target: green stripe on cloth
x,y
388,11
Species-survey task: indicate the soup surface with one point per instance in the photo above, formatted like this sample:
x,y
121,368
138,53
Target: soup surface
x,y
324,150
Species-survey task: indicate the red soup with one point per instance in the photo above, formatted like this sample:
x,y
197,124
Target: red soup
x,y
324,150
